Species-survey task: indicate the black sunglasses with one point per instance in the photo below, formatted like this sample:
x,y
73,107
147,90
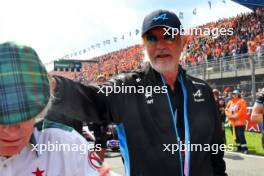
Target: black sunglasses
x,y
151,38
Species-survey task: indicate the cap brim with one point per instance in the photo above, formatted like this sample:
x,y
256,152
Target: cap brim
x,y
143,32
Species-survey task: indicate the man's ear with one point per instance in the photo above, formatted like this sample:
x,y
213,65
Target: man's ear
x,y
143,42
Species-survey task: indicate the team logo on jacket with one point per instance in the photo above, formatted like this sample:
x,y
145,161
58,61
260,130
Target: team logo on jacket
x,y
198,96
94,160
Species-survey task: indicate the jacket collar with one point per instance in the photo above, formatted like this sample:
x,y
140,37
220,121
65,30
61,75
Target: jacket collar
x,y
154,77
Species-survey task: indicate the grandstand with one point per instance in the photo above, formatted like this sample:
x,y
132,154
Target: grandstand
x,y
225,61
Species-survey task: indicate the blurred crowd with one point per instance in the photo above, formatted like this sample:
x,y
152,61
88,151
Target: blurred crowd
x,y
110,64
247,38
120,61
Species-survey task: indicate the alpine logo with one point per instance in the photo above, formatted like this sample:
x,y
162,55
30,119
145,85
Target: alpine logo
x,y
198,96
162,17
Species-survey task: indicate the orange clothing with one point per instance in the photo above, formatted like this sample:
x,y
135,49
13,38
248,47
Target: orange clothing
x,y
252,46
236,106
218,52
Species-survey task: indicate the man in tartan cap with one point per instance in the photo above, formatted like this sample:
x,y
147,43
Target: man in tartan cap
x,y
30,148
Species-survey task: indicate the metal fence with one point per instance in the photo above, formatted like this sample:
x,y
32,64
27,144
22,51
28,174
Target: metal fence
x,y
227,66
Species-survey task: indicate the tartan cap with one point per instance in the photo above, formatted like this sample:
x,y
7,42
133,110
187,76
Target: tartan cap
x,y
24,85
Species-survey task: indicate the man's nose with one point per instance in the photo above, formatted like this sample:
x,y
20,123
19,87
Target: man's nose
x,y
161,44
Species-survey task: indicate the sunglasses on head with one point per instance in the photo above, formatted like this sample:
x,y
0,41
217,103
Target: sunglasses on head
x,y
151,38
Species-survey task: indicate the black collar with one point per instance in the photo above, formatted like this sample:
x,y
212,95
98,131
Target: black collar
x,y
153,77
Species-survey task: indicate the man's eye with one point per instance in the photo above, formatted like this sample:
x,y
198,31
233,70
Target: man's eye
x,y
151,38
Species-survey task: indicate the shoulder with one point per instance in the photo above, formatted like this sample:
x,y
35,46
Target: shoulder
x,y
229,102
45,131
261,93
197,81
243,101
47,124
130,77
199,84
65,146
260,98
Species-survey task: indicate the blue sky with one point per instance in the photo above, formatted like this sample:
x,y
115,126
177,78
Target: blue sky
x,y
59,27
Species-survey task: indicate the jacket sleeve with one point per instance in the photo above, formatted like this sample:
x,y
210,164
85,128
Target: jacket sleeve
x,y
85,103
217,159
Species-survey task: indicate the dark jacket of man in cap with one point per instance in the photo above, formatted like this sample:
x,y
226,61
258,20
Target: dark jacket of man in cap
x,y
152,118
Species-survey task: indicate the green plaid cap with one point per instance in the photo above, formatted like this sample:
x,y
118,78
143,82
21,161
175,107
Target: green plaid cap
x,y
24,85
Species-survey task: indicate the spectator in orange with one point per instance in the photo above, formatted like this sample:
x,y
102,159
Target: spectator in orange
x,y
252,46
236,110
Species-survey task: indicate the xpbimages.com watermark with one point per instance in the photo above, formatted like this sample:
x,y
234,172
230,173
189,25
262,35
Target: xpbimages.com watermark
x,y
59,147
125,89
213,148
213,32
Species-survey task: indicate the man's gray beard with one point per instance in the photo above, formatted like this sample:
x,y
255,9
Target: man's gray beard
x,y
160,70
